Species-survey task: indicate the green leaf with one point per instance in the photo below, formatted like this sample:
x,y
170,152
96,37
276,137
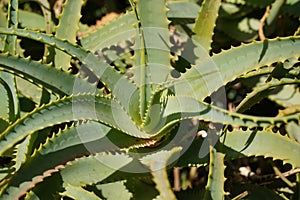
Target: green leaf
x,y
152,49
262,91
55,79
81,107
97,168
20,153
25,20
109,191
216,179
264,143
205,23
12,22
158,163
293,129
110,34
69,18
11,46
274,11
67,145
112,79
12,103
209,74
238,144
181,11
243,29
287,96
28,90
79,193
3,23
178,108
3,124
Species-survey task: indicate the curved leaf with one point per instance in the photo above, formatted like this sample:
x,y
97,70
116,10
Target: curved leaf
x,y
25,21
157,163
109,191
209,74
206,18
69,18
81,107
110,33
79,193
55,79
237,144
179,108
216,179
262,91
97,168
112,79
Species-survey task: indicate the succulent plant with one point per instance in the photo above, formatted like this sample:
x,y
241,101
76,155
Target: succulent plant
x,y
114,127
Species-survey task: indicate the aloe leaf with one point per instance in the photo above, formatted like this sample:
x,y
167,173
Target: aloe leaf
x,y
209,74
69,18
10,46
3,23
262,143
205,23
293,129
287,96
20,154
155,35
79,193
102,165
4,107
152,49
181,11
262,91
234,11
244,29
7,107
110,34
112,79
57,80
25,21
179,108
46,9
109,191
13,103
216,179
3,124
67,145
11,40
274,11
238,144
157,163
81,107
28,90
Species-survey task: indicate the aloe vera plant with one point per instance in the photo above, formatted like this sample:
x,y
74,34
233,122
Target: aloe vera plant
x,y
112,112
